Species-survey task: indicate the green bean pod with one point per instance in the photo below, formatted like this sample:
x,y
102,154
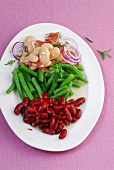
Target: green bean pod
x,y
17,83
67,80
40,75
11,88
28,70
24,86
61,93
37,86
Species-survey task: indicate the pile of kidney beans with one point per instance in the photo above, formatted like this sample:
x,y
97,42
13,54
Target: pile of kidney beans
x,y
50,115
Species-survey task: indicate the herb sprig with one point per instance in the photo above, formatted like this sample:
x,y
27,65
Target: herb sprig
x,y
10,62
105,53
89,39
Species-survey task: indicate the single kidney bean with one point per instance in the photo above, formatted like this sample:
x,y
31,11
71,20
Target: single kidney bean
x,y
79,101
60,122
72,110
46,130
58,130
32,104
56,102
45,120
44,115
56,125
74,119
52,122
18,109
36,122
61,112
25,101
41,108
78,113
50,111
51,100
58,117
68,114
45,95
56,109
63,134
66,122
44,125
29,115
28,120
71,101
51,131
30,109
62,100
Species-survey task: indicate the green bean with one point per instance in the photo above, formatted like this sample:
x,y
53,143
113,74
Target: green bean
x,y
80,67
37,86
60,79
76,84
54,83
24,94
64,75
50,80
24,86
67,80
82,79
40,75
17,83
32,89
11,88
48,74
61,93
28,70
74,70
69,86
26,76
71,93
59,89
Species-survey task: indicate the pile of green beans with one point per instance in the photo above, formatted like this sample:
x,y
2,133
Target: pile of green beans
x,y
58,81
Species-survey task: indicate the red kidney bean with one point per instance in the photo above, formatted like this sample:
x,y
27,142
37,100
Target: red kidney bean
x,y
63,134
52,122
68,114
41,108
51,131
79,101
18,109
61,126
28,120
44,115
29,115
36,122
60,122
45,121
56,125
71,101
55,103
45,95
25,101
50,111
46,130
61,112
72,110
66,122
62,100
44,125
78,113
30,109
58,130
58,117
56,109
74,119
51,100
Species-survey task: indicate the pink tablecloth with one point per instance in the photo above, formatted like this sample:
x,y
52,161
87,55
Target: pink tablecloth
x,y
91,18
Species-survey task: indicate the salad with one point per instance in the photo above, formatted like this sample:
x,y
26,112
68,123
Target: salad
x,y
47,70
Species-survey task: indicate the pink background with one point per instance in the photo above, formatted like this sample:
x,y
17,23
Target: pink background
x,y
91,18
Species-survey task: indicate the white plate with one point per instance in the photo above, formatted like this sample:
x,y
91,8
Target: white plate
x,y
94,93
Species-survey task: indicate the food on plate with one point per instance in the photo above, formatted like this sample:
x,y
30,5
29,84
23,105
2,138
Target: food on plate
x,y
46,72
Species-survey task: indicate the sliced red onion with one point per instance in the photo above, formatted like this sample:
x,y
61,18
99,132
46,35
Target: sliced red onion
x,y
67,61
68,56
17,50
63,40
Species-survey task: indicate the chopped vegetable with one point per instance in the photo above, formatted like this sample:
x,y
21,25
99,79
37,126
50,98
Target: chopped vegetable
x,y
105,53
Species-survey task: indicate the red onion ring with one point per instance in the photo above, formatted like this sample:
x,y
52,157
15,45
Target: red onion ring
x,y
68,39
67,61
17,50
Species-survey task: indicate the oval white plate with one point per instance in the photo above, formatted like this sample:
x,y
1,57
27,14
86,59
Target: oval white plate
x,y
94,93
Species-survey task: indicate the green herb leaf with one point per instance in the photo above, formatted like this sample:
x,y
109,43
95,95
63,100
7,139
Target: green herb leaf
x,y
89,39
104,53
26,55
59,45
10,62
